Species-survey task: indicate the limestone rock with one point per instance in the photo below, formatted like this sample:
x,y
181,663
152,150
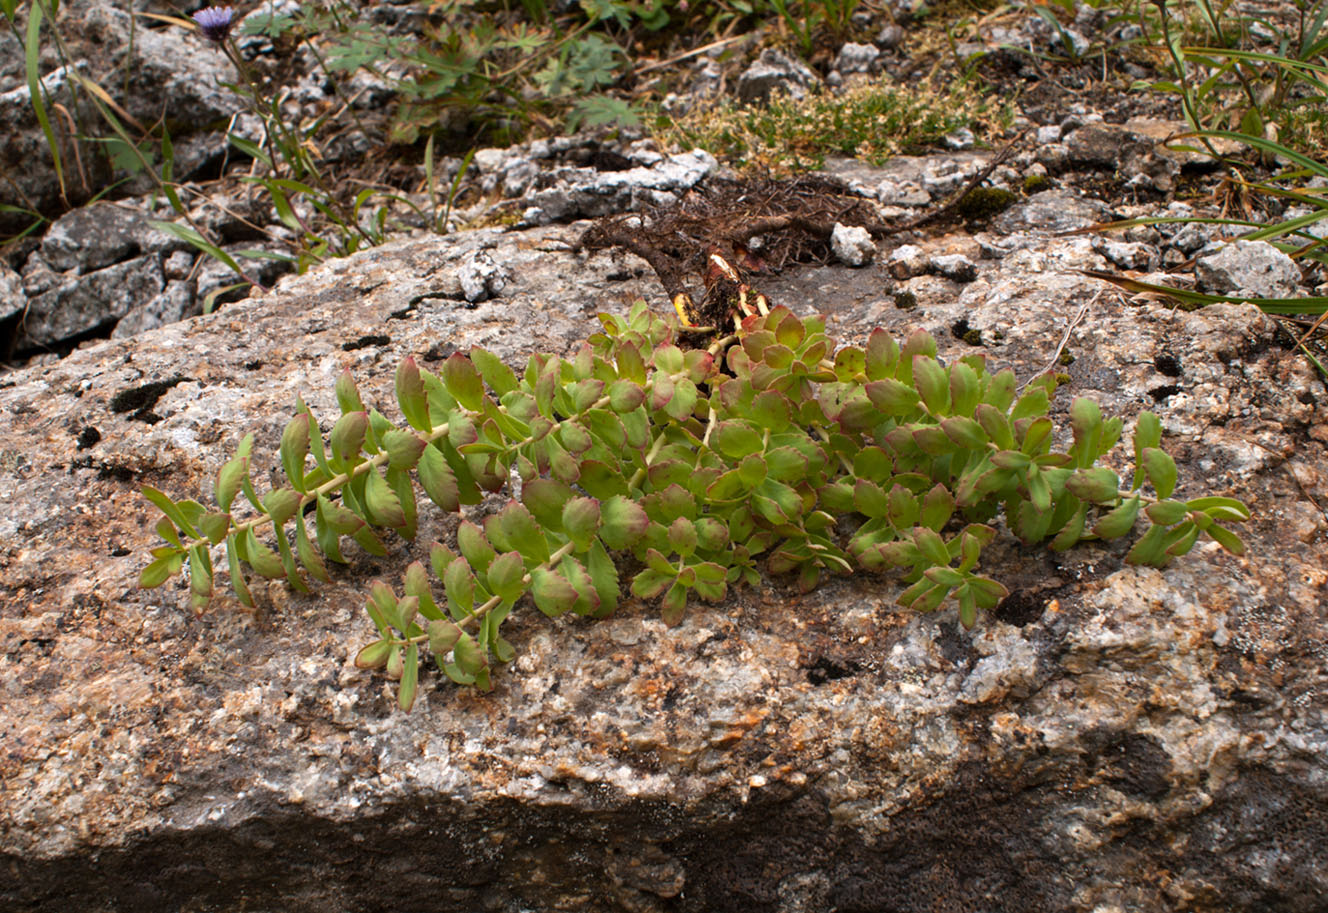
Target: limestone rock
x,y
857,58
852,245
95,301
1053,211
1111,738
773,72
1253,269
97,236
12,298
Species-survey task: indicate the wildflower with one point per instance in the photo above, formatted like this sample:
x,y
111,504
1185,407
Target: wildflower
x,y
215,22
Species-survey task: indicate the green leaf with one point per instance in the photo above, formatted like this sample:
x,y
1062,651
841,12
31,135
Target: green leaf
x,y
1166,513
497,375
506,576
581,521
437,479
553,595
463,381
736,439
937,507
404,448
1073,530
1032,404
674,604
459,586
474,547
996,425
231,476
411,396
1118,522
416,586
171,510
469,657
373,656
215,526
933,384
964,431
622,522
347,438
294,448
382,503
237,576
1151,549
348,395
932,546
1220,508
1161,471
312,561
161,570
409,678
1227,539
519,529
1147,433
443,636
1098,485
281,504
261,558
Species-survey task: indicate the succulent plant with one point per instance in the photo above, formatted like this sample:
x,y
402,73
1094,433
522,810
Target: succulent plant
x,y
768,447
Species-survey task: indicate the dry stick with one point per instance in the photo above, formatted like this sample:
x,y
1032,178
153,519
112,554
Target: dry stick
x,y
660,64
963,194
1065,337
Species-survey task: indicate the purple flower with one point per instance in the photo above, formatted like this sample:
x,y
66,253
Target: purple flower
x,y
215,22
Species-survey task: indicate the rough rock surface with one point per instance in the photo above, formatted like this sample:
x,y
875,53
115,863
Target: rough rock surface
x,y
1110,739
1253,269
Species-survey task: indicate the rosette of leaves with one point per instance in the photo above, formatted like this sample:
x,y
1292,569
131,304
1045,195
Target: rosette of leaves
x,y
769,448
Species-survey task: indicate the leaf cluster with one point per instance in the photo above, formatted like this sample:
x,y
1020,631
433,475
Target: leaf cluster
x,y
694,468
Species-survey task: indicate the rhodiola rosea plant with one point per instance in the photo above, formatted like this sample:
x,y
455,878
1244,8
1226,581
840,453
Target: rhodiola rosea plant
x,y
767,448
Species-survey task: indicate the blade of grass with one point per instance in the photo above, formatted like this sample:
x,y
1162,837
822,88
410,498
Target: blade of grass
x,y
32,52
1313,305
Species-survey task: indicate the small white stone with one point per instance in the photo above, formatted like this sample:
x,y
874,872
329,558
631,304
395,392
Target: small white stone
x,y
853,245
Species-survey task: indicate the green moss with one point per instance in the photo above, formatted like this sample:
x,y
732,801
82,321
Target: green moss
x,y
906,301
1066,358
973,337
982,203
1036,183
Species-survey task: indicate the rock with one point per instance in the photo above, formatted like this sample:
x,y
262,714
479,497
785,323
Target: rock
x,y
1128,254
214,275
956,267
907,261
481,277
1052,211
774,72
1192,237
852,245
1112,738
857,58
12,297
962,138
97,236
174,73
1133,157
92,303
569,193
890,37
1048,134
1250,269
901,193
175,302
